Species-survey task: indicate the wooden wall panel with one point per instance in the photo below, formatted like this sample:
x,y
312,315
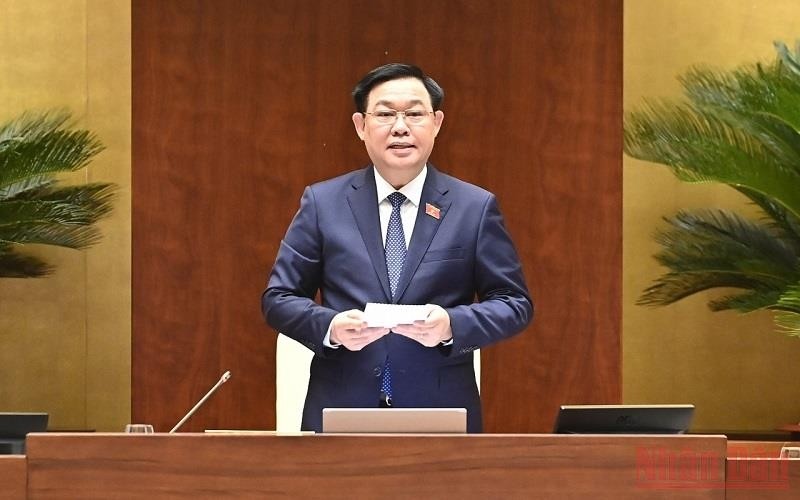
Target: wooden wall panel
x,y
238,105
557,142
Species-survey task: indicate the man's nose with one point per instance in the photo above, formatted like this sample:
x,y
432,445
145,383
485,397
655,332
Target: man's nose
x,y
400,127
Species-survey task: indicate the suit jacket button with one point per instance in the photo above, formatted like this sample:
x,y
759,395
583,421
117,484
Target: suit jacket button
x,y
377,371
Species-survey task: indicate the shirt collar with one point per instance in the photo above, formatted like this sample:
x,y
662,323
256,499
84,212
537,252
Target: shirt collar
x,y
412,190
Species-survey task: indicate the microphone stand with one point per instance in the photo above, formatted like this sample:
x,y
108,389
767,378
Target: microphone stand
x,y
224,378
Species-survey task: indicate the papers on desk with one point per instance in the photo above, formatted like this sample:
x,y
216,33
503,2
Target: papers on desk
x,y
251,432
390,315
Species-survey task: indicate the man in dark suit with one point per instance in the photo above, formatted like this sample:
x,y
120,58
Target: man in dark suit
x,y
440,242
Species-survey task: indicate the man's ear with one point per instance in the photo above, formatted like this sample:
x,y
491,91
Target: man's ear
x,y
438,118
358,121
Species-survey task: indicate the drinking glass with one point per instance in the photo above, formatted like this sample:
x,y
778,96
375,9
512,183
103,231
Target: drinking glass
x,y
139,429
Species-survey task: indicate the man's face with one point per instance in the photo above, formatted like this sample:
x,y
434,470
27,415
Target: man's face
x,y
398,149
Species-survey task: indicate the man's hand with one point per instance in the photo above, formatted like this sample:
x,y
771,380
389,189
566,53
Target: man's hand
x,y
349,329
431,331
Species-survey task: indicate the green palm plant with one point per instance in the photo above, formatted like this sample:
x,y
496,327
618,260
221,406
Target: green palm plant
x,y
740,128
34,207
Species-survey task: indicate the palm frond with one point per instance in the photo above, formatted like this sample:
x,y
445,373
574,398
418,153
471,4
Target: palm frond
x,y
707,249
30,184
47,233
792,61
748,301
34,208
758,92
699,146
31,126
58,151
789,316
15,265
777,137
674,286
96,197
704,240
784,223
38,212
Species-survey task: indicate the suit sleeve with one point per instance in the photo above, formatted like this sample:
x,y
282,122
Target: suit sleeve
x,y
504,306
288,302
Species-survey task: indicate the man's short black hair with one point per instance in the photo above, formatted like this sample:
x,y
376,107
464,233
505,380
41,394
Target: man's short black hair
x,y
395,71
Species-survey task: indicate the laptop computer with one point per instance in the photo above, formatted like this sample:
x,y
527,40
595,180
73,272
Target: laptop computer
x,y
394,420
14,427
624,419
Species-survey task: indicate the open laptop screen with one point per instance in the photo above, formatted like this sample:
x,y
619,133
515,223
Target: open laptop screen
x,y
394,420
624,419
14,427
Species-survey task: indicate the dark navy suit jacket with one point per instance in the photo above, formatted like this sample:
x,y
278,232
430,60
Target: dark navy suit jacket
x,y
463,261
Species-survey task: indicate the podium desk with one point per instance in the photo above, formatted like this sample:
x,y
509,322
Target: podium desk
x,y
375,466
13,477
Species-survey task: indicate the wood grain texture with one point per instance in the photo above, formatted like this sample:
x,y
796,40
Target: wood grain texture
x,y
238,105
353,466
13,477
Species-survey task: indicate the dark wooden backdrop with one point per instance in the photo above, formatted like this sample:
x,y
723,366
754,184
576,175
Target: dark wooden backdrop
x,y
237,105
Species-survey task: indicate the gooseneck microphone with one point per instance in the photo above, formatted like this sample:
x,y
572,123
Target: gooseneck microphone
x,y
224,378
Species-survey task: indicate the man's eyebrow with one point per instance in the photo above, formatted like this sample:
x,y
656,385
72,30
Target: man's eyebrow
x,y
388,103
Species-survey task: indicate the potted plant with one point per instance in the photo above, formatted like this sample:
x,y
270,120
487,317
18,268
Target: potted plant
x,y
35,208
740,128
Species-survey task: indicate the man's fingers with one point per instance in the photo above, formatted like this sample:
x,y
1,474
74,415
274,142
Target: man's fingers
x,y
357,339
354,314
412,329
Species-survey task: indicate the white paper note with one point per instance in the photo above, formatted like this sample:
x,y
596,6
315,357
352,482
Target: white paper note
x,y
390,315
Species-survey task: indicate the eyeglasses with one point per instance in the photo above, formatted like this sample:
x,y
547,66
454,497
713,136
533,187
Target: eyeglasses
x,y
389,116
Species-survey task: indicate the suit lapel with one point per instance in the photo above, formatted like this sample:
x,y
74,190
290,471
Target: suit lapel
x,y
363,201
434,192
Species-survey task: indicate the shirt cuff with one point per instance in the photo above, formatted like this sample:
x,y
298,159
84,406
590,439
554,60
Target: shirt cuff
x,y
327,340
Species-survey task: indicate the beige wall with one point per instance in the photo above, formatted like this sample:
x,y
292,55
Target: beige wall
x,y
736,369
65,339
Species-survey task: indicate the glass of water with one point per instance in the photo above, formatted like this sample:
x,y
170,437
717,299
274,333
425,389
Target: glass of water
x,y
139,429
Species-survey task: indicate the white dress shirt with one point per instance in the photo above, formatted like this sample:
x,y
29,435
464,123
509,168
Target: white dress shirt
x,y
408,210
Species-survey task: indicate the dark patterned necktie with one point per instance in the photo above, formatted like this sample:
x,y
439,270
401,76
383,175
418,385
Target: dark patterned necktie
x,y
395,259
395,242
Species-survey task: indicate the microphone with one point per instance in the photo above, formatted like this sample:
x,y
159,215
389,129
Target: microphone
x,y
224,378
